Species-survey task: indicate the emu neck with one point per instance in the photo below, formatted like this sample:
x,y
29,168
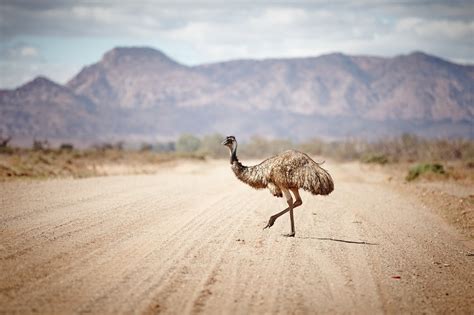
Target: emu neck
x,y
233,155
237,167
251,175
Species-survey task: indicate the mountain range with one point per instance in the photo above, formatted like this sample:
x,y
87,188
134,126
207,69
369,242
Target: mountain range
x,y
140,94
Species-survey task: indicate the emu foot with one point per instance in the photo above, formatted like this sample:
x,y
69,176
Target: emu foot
x,y
270,222
289,235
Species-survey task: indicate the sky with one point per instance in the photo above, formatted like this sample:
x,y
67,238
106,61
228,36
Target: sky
x,y
57,38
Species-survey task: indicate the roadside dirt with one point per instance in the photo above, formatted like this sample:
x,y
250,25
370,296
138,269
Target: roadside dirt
x,y
451,195
189,239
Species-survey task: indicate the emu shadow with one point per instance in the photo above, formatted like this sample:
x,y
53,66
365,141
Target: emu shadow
x,y
338,240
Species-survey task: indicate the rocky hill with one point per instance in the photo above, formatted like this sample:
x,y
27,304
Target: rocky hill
x,y
142,94
46,109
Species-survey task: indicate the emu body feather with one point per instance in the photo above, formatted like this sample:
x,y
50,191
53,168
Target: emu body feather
x,y
291,169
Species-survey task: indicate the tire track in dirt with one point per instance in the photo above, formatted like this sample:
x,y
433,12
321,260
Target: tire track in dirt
x,y
177,240
73,264
52,231
177,270
189,240
56,267
194,223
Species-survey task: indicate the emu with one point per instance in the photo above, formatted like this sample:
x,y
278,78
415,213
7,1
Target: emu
x,y
282,173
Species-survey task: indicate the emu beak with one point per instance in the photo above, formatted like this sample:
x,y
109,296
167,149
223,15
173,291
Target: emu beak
x,y
224,142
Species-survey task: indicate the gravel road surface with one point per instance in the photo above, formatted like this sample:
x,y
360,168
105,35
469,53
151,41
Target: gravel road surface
x,y
189,239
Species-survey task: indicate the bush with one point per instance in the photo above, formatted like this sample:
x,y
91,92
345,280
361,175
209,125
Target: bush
x,y
145,147
420,169
188,143
66,147
4,141
259,147
211,145
375,159
40,145
165,147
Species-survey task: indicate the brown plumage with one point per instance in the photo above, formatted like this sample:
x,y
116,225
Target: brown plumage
x,y
287,171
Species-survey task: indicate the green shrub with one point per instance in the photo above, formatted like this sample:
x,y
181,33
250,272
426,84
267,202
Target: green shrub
x,y
424,168
188,143
211,146
375,159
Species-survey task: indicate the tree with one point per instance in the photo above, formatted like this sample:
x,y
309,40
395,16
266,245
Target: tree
x,y
211,145
188,143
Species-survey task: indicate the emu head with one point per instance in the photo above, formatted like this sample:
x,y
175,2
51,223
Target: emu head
x,y
229,142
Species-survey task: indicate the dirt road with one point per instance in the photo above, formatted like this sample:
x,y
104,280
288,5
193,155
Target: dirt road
x,y
189,239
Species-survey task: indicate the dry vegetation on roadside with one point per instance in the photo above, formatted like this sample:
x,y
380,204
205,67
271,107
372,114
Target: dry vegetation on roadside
x,y
47,163
413,156
439,172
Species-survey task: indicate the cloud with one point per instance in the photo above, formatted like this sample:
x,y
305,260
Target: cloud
x,y
209,31
29,51
21,62
20,52
20,73
438,29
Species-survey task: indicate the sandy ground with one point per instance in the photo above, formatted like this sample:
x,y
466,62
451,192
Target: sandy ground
x,y
189,240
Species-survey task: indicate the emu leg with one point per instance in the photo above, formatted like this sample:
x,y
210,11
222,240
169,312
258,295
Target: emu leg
x,y
275,216
289,200
292,222
298,202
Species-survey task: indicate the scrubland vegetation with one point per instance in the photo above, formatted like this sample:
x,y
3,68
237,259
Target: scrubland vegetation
x,y
418,156
442,170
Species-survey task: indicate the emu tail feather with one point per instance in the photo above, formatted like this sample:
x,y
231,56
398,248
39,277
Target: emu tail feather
x,y
316,180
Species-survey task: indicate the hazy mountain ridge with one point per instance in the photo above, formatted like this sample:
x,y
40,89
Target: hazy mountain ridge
x,y
140,93
47,109
403,87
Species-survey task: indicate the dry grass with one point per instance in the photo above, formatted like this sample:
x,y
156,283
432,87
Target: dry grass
x,y
449,194
439,172
406,150
29,163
